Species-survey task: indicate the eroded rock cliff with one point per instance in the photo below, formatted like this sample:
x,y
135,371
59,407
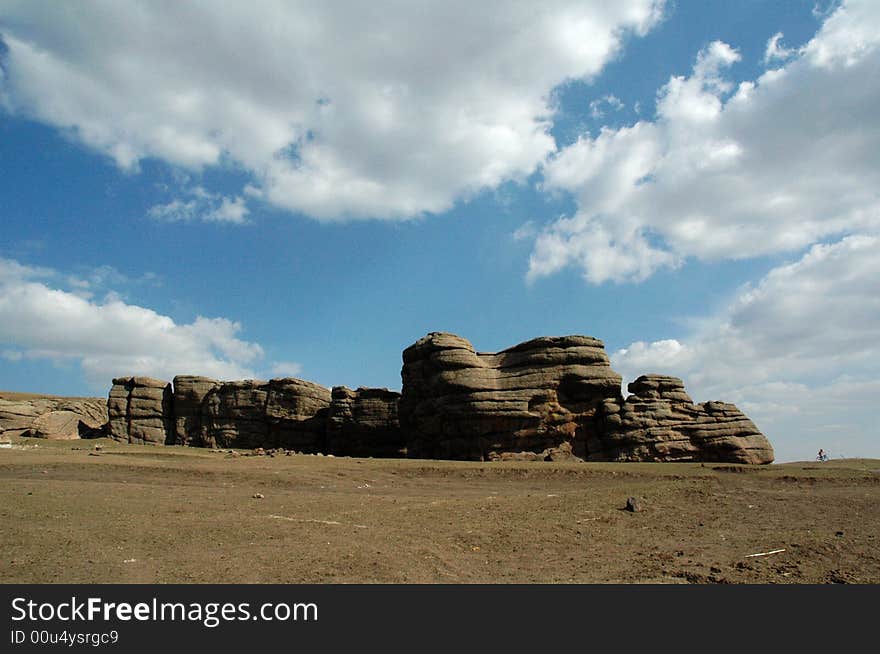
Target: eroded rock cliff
x,y
189,397
54,418
538,395
287,413
364,423
140,410
660,422
550,398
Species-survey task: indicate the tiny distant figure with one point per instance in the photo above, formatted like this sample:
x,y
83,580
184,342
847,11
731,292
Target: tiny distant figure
x,y
822,456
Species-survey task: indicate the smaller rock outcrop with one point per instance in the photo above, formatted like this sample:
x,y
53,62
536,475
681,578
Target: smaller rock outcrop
x,y
287,413
53,418
235,415
189,396
364,423
660,422
141,411
561,453
296,411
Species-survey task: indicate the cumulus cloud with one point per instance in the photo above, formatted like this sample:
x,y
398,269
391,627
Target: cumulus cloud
x,y
110,337
798,351
729,171
337,110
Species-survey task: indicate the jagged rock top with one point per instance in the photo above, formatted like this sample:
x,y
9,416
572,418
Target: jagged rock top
x,y
363,392
448,341
143,382
192,380
452,351
435,341
195,381
552,342
659,387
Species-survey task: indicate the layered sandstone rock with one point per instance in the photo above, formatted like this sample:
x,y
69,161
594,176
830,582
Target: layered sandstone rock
x,y
364,423
296,411
534,397
235,415
660,422
189,397
141,411
54,418
289,413
550,398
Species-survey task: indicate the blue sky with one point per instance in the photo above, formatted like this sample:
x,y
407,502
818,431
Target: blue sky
x,y
306,190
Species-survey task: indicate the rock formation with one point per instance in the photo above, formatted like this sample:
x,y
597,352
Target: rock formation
x,y
235,415
189,397
660,422
55,418
141,411
556,398
364,423
288,413
550,398
538,395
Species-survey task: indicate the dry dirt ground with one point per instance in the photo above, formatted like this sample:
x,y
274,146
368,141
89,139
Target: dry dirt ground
x,y
139,514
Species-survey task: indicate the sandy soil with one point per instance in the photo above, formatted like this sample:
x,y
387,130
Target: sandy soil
x,y
159,515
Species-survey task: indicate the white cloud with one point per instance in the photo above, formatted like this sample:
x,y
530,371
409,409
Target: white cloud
x,y
337,110
848,36
729,172
175,211
12,355
598,107
775,51
87,282
112,338
11,269
229,211
285,369
798,352
204,206
525,232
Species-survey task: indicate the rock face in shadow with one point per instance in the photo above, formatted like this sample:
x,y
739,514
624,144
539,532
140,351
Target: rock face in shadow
x,y
533,397
364,423
53,418
288,413
140,410
189,397
660,422
296,411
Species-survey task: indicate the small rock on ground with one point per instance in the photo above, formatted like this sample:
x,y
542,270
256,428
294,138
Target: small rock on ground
x,y
634,504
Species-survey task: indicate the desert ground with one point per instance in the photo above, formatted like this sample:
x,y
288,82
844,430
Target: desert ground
x,y
96,511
